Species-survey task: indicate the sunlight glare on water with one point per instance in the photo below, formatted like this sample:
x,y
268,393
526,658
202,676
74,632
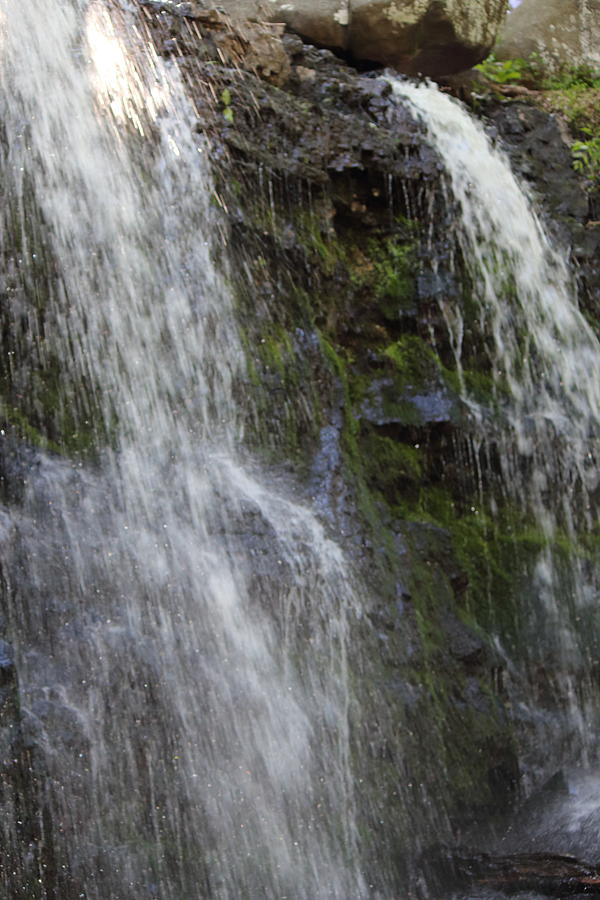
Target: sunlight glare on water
x,y
115,77
233,772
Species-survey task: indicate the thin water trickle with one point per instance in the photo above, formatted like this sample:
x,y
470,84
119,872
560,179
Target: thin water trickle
x,y
181,629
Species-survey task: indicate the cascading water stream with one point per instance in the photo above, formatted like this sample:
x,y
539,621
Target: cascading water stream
x,y
188,686
182,630
545,365
544,354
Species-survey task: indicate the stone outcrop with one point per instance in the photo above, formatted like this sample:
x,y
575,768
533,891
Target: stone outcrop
x,y
562,32
433,37
321,21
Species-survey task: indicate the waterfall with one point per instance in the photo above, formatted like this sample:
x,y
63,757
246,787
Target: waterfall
x,y
544,360
187,635
180,628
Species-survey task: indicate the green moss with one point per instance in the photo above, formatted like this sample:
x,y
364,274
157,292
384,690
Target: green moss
x,y
285,417
319,239
497,553
380,269
459,744
385,267
14,418
274,350
481,386
367,502
53,413
339,367
394,269
413,360
388,461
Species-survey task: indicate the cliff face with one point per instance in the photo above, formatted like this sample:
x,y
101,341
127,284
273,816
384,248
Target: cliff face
x,y
341,251
560,33
339,245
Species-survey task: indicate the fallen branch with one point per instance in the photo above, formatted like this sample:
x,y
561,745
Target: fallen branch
x,y
549,874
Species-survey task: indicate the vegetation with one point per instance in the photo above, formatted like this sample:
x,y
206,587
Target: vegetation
x,y
533,73
507,71
573,93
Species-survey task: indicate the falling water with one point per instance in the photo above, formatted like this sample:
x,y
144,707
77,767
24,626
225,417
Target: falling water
x,y
180,629
544,354
545,364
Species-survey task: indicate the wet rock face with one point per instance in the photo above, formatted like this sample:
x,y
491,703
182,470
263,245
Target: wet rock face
x,y
562,32
326,182
432,37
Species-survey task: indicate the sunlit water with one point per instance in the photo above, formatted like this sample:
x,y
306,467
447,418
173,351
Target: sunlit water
x,y
181,630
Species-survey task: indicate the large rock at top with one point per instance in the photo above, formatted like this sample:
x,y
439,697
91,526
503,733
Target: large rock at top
x,y
562,32
319,21
434,37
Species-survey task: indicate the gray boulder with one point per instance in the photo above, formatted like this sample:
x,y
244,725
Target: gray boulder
x,y
434,37
562,32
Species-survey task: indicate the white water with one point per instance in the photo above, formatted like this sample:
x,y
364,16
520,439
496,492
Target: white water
x,y
545,365
181,629
544,355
